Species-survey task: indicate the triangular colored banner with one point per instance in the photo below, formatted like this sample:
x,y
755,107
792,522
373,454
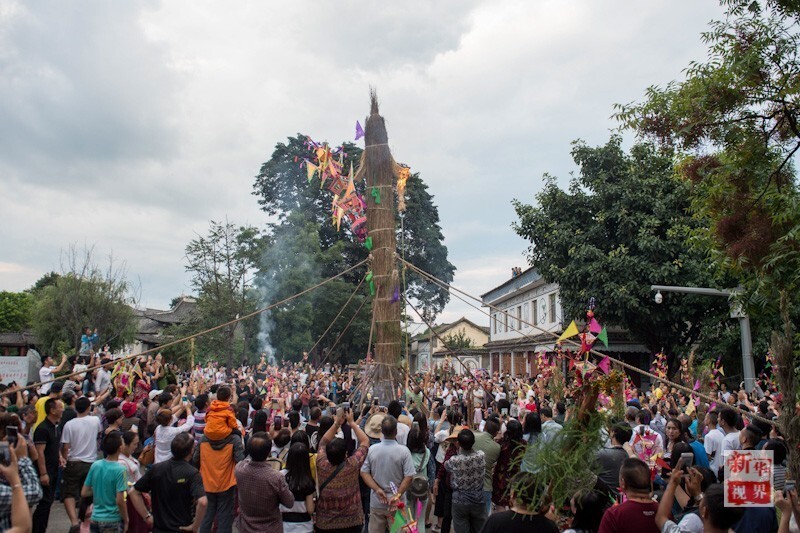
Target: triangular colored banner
x,y
311,168
359,130
594,326
399,522
571,331
605,365
603,337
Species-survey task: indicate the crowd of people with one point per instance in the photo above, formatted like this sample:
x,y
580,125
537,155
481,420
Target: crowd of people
x,y
142,446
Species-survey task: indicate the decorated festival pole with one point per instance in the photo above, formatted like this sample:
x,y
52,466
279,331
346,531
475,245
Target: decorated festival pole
x,y
379,170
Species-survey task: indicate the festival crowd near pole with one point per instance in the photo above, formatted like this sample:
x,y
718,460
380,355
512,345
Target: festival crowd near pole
x,y
136,443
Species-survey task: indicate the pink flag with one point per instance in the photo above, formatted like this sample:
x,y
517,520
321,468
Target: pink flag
x,y
594,326
697,385
604,365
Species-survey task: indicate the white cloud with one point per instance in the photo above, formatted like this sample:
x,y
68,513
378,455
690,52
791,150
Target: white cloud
x,y
130,125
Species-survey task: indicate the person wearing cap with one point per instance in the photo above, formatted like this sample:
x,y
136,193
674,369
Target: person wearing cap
x,y
131,422
387,463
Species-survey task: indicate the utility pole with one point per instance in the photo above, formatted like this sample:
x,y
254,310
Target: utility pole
x,y
748,366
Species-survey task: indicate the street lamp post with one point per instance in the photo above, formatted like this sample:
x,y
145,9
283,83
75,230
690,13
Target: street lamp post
x,y
748,367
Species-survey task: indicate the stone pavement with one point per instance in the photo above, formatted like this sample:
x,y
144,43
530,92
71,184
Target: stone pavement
x,y
59,523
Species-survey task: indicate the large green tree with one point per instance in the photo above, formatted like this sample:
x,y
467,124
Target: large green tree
x,y
307,248
15,310
84,295
222,263
621,226
734,121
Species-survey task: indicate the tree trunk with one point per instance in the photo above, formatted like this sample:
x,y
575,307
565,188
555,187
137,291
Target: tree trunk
x,y
379,172
787,383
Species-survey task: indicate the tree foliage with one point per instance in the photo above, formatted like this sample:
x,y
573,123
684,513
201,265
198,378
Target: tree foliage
x,y
458,340
15,310
84,295
734,120
621,226
306,249
222,264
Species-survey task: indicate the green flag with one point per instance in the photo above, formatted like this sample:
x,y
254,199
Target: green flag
x,y
603,337
398,523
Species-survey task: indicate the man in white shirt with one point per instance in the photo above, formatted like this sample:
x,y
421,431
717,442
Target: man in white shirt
x,y
727,421
103,380
79,450
713,442
396,410
48,371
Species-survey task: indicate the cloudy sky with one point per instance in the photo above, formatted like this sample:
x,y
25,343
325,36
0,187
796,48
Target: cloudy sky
x,y
128,125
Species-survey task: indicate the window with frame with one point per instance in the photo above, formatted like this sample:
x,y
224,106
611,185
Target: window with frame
x,y
519,317
535,313
553,308
505,321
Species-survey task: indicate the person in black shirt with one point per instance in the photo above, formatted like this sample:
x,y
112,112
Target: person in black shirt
x,y
174,485
47,439
69,409
520,519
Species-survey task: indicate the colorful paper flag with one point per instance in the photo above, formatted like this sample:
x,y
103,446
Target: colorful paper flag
x,y
311,168
359,130
571,331
594,326
603,337
399,522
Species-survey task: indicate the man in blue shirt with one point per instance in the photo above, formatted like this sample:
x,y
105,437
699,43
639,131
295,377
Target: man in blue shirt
x,y
107,484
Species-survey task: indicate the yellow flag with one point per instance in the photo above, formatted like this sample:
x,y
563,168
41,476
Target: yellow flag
x,y
571,331
311,168
721,370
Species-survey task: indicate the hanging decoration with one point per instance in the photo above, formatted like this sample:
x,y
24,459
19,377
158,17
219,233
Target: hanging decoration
x,y
684,371
403,173
767,376
585,370
346,204
659,365
717,370
371,281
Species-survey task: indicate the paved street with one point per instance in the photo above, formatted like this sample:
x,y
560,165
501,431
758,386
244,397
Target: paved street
x,y
59,523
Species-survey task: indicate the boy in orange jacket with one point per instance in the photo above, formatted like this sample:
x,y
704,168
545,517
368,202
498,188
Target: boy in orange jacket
x,y
220,420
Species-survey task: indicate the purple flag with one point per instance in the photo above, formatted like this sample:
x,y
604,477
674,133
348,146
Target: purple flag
x,y
359,130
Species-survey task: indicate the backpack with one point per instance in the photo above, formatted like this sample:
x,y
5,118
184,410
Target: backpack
x,y
420,487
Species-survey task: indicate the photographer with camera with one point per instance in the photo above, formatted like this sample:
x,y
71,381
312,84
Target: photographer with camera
x,y
19,489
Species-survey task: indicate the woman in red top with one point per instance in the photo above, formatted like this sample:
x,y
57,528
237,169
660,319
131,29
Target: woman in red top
x,y
512,448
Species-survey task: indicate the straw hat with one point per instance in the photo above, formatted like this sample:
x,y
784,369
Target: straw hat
x,y
456,431
404,419
373,426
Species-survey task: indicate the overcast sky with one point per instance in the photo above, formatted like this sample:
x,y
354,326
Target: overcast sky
x,y
128,125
